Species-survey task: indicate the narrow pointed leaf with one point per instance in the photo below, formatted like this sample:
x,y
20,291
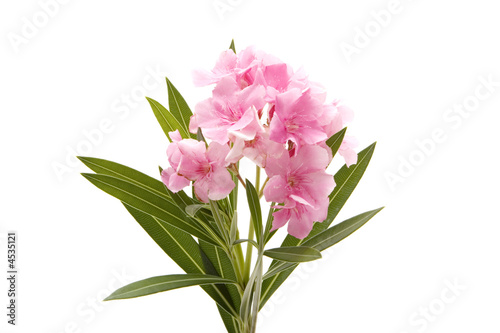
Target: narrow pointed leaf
x,y
346,180
121,171
233,232
255,211
183,250
335,234
231,323
329,237
232,47
335,140
219,220
167,121
179,108
164,283
293,254
191,210
223,266
143,199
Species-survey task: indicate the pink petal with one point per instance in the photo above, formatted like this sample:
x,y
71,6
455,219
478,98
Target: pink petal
x,y
173,181
248,126
221,184
277,165
275,189
216,153
202,77
277,130
301,200
175,136
193,124
236,152
300,225
310,158
280,218
320,185
201,189
349,156
252,96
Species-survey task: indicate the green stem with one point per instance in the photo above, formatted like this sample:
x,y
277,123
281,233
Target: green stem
x,y
256,295
248,258
257,178
261,192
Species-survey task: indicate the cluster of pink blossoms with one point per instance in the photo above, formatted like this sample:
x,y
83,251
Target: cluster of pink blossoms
x,y
263,110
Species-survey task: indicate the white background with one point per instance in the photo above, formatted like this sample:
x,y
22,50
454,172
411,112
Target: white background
x,y
440,225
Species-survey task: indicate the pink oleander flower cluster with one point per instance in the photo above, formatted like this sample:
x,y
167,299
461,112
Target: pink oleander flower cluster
x,y
263,110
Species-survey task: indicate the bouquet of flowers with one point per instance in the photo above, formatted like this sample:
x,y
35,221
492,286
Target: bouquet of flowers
x,y
264,111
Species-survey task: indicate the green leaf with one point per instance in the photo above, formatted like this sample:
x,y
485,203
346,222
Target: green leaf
x,y
330,237
149,202
219,220
233,231
164,283
232,47
224,268
177,244
179,108
246,299
293,254
255,211
192,209
167,121
120,171
335,140
231,323
338,232
180,199
269,224
243,240
346,180
199,135
233,196
182,249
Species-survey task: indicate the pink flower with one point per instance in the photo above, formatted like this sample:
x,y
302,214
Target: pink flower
x,y
190,160
256,150
230,112
275,78
297,118
337,116
347,151
241,67
300,218
302,185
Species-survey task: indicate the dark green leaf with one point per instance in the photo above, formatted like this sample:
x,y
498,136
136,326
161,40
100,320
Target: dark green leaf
x,y
338,232
330,237
346,180
120,171
255,211
231,323
224,268
335,140
179,108
167,121
183,249
149,202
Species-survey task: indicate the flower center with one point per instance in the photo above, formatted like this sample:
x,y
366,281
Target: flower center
x,y
291,126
